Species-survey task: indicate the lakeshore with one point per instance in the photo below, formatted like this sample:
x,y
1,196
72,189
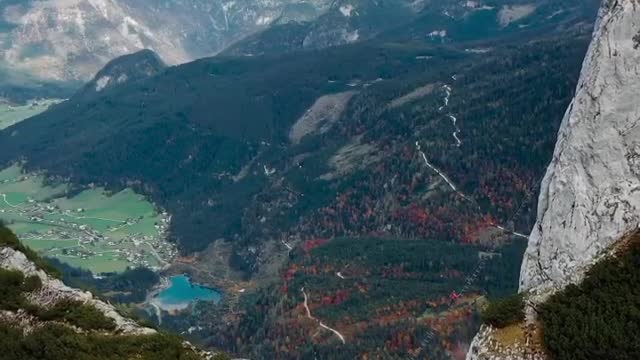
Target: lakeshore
x,y
177,293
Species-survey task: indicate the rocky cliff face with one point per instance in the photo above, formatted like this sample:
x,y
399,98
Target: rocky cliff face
x,y
590,196
53,290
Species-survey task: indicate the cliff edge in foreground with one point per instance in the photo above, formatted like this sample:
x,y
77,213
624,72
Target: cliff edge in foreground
x,y
42,318
590,196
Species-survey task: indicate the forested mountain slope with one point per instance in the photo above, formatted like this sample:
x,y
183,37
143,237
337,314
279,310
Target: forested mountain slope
x,y
432,21
128,68
379,260
195,126
304,159
200,128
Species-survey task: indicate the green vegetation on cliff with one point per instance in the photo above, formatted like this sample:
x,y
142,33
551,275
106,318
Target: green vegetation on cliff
x,y
504,312
67,329
13,285
599,318
54,342
9,239
75,313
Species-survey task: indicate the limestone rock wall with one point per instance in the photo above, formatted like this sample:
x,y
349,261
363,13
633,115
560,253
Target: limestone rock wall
x,y
590,196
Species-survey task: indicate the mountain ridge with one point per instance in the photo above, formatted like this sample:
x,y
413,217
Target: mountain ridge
x,y
72,39
127,68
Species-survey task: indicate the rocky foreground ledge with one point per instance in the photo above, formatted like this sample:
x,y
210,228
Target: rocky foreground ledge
x,y
54,290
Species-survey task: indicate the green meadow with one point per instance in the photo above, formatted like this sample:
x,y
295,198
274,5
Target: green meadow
x,y
94,229
10,115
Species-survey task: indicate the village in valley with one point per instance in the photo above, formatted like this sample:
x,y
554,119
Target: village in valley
x,y
93,229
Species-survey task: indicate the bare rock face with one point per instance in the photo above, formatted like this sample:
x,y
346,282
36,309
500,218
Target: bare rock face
x,y
590,196
54,289
321,116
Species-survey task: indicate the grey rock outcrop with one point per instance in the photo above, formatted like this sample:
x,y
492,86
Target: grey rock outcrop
x,y
590,196
54,289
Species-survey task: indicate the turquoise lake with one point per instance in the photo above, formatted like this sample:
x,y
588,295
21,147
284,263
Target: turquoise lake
x,y
183,292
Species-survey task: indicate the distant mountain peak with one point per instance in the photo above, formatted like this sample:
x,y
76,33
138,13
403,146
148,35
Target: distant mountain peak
x,y
71,39
127,68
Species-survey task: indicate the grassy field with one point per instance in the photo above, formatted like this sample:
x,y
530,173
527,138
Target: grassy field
x,y
94,229
10,115
48,246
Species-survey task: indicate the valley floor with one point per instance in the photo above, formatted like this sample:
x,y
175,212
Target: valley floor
x,y
93,229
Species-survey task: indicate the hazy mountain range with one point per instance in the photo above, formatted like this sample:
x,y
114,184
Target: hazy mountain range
x,y
72,39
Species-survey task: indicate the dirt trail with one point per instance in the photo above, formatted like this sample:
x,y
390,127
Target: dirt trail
x,y
322,325
4,197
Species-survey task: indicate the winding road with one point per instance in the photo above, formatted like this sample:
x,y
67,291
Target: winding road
x,y
511,232
457,130
322,325
287,245
448,90
455,189
4,197
440,173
